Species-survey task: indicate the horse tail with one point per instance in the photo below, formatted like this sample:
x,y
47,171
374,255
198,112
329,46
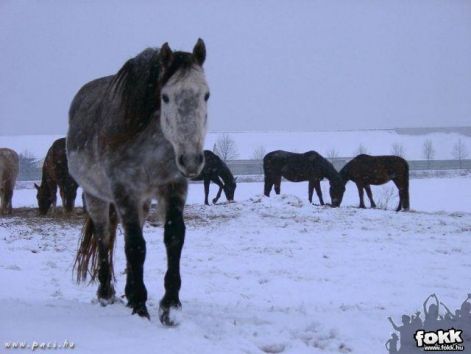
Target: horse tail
x,y
87,260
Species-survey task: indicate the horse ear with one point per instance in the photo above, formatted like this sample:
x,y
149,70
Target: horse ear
x,y
199,52
36,186
166,55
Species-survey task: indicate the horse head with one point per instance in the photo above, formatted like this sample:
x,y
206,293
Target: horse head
x,y
229,189
336,190
44,198
184,94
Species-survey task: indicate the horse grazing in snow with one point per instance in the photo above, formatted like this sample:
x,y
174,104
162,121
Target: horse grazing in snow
x,y
309,166
9,167
133,136
55,174
216,171
365,170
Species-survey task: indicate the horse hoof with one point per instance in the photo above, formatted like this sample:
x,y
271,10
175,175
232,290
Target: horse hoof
x,y
141,310
215,201
169,316
105,302
168,313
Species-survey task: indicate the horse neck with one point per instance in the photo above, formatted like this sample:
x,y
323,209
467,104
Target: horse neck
x,y
331,173
225,173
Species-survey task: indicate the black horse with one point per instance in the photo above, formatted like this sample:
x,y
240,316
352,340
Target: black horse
x,y
309,166
365,170
216,171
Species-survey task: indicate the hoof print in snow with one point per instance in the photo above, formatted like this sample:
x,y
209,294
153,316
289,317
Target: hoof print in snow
x,y
273,348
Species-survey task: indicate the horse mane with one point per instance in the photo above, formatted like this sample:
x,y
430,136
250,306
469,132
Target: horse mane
x,y
137,85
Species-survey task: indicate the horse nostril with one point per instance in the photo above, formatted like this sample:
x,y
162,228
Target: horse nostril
x,y
181,161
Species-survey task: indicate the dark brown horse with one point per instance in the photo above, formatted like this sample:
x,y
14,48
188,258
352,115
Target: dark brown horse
x,y
216,171
365,170
9,166
56,174
309,166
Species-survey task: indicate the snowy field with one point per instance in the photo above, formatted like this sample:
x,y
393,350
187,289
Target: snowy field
x,y
273,275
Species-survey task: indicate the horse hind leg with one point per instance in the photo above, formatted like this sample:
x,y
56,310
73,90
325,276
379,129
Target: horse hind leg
x,y
278,185
98,236
403,187
268,186
174,236
360,194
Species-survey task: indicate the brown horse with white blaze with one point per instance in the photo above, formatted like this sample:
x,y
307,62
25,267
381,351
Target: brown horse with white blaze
x,y
366,170
9,167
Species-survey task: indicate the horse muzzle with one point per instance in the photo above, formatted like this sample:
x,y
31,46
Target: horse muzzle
x,y
190,164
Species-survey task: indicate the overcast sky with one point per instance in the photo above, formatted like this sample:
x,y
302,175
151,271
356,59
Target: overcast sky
x,y
271,65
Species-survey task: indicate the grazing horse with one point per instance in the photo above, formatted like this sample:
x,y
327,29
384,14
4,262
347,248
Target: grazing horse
x,y
309,166
134,136
365,170
9,167
56,174
216,170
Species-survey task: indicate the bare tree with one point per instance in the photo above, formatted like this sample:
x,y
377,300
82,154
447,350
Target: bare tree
x,y
361,149
460,151
29,167
428,151
226,148
331,154
398,150
259,153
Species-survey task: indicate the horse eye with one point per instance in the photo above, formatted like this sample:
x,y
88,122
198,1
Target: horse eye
x,y
165,98
206,97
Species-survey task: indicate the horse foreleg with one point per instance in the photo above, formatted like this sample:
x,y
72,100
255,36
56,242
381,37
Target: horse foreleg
x,y
317,186
220,185
360,194
206,190
52,186
174,236
370,195
131,215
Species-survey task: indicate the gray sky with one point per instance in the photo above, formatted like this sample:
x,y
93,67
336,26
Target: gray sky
x,y
284,65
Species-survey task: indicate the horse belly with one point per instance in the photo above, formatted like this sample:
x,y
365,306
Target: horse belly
x,y
90,175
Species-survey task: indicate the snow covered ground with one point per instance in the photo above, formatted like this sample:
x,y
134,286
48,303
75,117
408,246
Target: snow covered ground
x,y
273,275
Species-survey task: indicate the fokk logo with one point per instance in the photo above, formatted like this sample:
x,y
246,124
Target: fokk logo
x,y
440,340
437,329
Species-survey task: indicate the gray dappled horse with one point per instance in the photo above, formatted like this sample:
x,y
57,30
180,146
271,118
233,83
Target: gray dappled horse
x,y
134,136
